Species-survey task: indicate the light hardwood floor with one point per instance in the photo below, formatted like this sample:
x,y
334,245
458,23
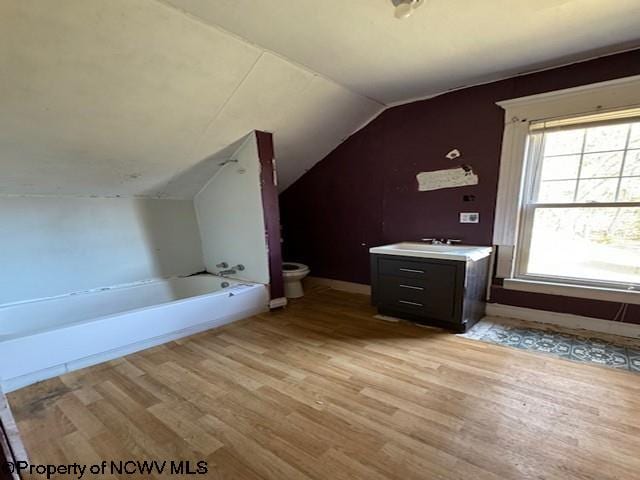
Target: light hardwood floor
x,y
322,390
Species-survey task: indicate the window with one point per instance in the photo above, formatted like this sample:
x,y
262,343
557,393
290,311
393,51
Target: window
x,y
580,219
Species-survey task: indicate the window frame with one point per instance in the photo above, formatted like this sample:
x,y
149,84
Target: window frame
x,y
531,180
518,113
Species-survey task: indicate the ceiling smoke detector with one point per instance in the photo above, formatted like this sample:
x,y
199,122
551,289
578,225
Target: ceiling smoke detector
x,y
405,8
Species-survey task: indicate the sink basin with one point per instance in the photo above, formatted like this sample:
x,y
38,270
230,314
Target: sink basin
x,y
426,250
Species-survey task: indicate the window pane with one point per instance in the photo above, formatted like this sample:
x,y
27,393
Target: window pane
x,y
560,168
563,142
600,190
634,140
629,190
632,163
586,243
601,164
611,137
557,191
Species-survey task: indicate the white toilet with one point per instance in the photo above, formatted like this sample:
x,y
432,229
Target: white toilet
x,y
293,274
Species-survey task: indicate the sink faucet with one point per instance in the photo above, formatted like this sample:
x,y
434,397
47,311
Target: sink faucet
x,y
434,241
441,241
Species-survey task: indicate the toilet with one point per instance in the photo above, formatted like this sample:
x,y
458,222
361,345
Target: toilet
x,y
293,274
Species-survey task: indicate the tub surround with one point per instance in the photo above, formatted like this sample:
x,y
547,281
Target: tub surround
x,y
365,193
53,246
231,219
237,215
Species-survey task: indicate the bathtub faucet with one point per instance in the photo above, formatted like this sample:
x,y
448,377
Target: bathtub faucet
x,y
230,271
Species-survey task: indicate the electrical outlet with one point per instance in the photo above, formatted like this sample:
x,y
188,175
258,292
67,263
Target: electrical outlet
x,y
469,217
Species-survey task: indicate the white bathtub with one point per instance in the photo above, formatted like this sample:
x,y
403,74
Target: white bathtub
x,y
46,338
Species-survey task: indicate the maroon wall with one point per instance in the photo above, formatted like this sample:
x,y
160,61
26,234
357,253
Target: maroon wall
x,y
365,193
269,191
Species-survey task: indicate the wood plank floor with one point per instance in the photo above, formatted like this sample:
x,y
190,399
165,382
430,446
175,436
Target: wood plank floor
x,y
322,390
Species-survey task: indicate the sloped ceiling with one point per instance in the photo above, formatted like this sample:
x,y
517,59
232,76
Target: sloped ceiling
x,y
146,97
135,98
445,44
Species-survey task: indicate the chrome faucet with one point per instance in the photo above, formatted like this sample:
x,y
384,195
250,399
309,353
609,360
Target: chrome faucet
x,y
441,241
229,271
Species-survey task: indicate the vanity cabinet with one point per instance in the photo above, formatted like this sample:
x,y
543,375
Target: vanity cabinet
x,y
438,292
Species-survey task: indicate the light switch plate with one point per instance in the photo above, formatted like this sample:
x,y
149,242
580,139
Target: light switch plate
x,y
469,217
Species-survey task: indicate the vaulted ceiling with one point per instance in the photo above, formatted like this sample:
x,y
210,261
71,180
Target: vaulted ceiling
x,y
445,44
146,97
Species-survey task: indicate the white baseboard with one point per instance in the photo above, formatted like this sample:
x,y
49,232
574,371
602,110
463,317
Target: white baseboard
x,y
278,302
564,320
339,285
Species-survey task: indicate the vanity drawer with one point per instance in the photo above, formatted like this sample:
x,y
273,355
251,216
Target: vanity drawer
x,y
419,270
402,304
433,297
403,288
403,268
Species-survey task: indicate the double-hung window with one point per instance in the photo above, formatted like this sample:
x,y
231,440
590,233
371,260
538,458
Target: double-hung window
x,y
580,217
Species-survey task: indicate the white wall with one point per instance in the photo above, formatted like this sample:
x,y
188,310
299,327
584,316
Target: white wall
x,y
231,219
52,246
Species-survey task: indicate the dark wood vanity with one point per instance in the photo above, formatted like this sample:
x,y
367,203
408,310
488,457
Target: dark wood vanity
x,y
438,292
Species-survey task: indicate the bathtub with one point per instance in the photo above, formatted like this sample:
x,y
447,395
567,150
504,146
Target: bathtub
x,y
46,338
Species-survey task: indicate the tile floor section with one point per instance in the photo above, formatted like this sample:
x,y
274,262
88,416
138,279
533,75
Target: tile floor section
x,y
623,354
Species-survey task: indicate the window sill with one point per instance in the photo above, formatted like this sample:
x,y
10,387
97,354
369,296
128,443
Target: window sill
x,y
578,291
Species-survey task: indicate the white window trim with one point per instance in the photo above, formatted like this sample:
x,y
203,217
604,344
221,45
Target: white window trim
x,y
519,113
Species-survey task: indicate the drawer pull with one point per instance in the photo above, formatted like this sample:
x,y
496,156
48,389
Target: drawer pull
x,y
411,270
415,304
411,287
